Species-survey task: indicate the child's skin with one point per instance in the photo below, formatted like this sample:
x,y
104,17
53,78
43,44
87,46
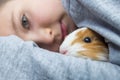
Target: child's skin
x,y
37,20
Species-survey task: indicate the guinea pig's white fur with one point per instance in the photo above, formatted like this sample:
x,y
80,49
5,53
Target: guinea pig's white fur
x,y
85,43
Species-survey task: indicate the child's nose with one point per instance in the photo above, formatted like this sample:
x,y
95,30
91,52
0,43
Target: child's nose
x,y
46,35
49,34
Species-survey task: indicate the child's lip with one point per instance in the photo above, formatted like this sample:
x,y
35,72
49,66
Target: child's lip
x,y
63,30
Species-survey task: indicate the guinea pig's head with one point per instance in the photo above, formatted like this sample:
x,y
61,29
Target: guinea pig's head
x,y
85,43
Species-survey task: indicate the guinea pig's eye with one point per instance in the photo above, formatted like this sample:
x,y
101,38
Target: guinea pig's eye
x,y
25,22
87,39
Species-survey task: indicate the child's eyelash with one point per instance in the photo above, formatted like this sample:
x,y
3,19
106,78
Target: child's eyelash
x,y
25,22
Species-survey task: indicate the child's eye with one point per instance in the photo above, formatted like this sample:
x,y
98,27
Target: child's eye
x,y
87,40
25,22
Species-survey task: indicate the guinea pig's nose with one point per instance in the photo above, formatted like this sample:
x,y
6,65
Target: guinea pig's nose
x,y
63,51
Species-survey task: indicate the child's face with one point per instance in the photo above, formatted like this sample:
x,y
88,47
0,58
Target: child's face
x,y
43,21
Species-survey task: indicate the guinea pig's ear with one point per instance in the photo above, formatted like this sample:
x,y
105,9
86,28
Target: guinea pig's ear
x,y
87,40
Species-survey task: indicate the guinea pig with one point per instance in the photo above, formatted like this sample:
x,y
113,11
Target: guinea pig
x,y
85,43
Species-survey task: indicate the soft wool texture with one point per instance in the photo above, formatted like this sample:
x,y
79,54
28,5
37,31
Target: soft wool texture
x,y
21,60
